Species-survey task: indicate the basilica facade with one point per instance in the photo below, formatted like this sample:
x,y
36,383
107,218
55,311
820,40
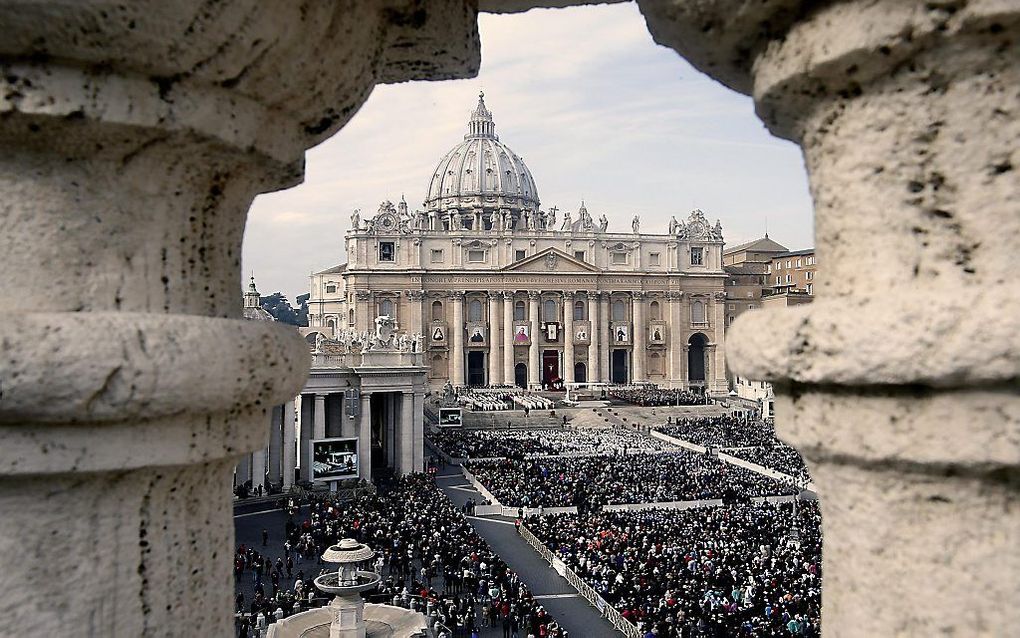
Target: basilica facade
x,y
504,292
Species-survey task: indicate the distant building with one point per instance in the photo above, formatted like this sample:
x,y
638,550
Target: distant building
x,y
746,267
793,271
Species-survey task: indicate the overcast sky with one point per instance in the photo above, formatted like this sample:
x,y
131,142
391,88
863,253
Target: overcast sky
x,y
596,110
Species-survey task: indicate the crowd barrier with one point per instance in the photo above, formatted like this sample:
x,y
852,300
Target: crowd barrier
x,y
678,442
761,469
614,617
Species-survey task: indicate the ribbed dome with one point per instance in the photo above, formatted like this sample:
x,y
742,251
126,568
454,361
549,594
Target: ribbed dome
x,y
482,172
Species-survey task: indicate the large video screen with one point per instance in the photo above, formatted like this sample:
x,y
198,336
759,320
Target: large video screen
x,y
450,418
334,459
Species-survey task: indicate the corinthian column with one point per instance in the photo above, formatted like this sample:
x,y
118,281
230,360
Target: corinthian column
x,y
638,330
134,139
457,338
604,332
568,337
534,359
593,338
899,383
508,337
495,362
676,342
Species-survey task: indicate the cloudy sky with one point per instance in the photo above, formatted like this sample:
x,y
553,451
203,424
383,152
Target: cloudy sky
x,y
595,108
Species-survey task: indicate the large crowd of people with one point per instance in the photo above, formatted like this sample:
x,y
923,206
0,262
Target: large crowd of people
x,y
592,481
427,552
781,458
749,570
494,400
721,431
653,396
519,444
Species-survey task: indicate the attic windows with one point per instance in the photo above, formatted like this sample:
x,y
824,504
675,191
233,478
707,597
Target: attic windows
x,y
619,258
330,289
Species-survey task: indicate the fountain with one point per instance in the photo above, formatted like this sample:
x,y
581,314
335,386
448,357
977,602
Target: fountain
x,y
348,608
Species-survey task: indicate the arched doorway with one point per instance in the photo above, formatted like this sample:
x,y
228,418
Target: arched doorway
x,y
696,359
521,375
580,372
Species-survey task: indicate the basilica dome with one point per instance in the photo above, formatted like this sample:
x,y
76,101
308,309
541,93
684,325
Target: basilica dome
x,y
482,173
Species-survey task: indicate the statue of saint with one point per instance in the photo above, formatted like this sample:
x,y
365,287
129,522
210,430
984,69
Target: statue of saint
x,y
567,223
356,219
603,223
635,224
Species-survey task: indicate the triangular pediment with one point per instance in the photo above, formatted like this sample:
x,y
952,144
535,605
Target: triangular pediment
x,y
551,260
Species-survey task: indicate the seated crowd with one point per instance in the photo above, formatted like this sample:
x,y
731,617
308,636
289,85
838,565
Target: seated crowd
x,y
706,572
781,458
489,400
653,396
592,481
429,555
721,431
518,444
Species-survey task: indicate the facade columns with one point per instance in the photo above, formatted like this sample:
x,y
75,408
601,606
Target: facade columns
x,y
639,332
593,338
319,429
416,312
534,357
911,436
508,337
406,432
258,469
365,437
289,448
568,337
604,335
676,333
717,382
363,310
495,341
276,444
457,363
419,431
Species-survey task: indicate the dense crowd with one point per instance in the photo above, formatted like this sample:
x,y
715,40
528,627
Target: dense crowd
x,y
427,552
652,396
781,458
592,481
709,572
518,444
721,432
489,400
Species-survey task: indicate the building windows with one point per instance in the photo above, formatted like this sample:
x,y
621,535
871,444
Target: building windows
x,y
579,255
578,311
520,254
810,275
387,251
788,278
350,317
810,289
437,255
698,312
653,259
798,263
549,310
474,310
386,308
476,256
789,263
730,307
331,289
654,311
697,256
619,258
619,311
520,311
437,310
779,279
768,269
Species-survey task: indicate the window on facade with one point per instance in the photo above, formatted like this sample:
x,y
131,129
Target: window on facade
x,y
579,311
437,256
386,308
475,310
331,324
768,269
810,274
579,255
549,310
697,256
788,278
653,259
698,312
654,311
730,307
619,311
330,289
789,263
437,311
779,279
810,289
476,255
619,258
386,251
798,263
520,311
520,254
350,317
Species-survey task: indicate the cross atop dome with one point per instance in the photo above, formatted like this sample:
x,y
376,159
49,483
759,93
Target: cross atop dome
x,y
481,124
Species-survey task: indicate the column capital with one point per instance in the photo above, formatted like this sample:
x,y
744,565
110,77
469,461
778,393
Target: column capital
x,y
534,295
568,294
674,295
362,295
456,295
508,295
639,294
415,295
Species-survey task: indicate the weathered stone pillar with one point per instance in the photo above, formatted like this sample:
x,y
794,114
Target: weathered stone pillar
x,y
675,336
419,430
406,432
534,357
416,310
494,359
319,427
289,447
568,337
508,337
134,138
638,330
457,363
593,338
899,383
365,436
604,335
276,444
